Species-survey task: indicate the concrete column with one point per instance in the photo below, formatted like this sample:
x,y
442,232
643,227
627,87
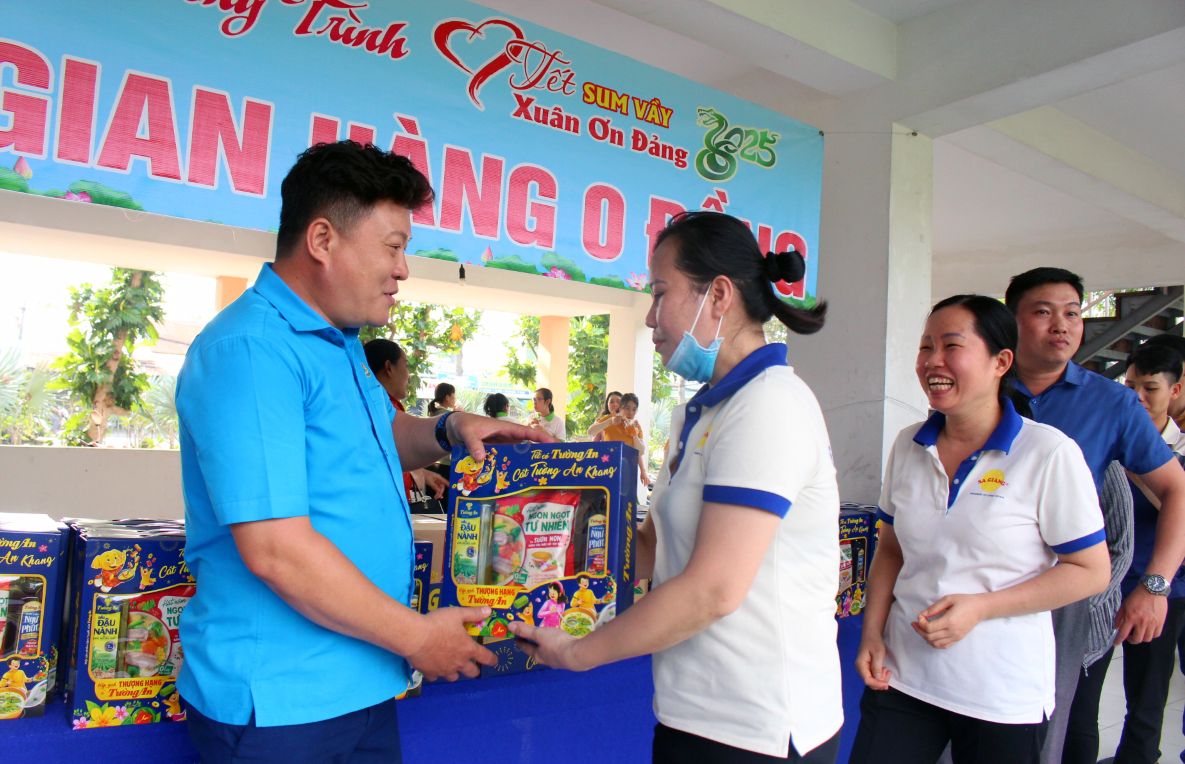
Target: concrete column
x,y
875,260
631,354
227,289
553,359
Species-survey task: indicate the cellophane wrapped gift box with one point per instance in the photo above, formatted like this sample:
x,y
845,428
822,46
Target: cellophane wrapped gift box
x,y
543,534
32,592
129,584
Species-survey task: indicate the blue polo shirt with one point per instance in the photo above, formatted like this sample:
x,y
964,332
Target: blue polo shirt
x,y
1104,418
1144,539
281,417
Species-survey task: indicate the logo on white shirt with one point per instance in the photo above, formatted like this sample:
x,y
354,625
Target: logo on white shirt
x,y
990,482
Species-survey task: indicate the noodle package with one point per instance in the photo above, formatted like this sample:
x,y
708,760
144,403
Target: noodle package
x,y
541,533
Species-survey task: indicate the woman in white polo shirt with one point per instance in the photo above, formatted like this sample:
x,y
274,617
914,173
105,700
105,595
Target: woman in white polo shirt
x,y
978,505
741,537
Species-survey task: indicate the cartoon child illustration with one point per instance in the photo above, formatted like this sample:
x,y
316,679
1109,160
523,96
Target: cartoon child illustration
x,y
857,600
552,611
111,567
146,577
527,614
583,597
14,678
474,473
501,482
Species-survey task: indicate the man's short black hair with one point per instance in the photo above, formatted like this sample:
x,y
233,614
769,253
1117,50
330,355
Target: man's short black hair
x,y
1174,341
1156,359
341,181
1023,282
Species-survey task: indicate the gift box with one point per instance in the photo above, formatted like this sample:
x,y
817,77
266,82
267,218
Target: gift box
x,y
543,534
129,584
857,534
32,592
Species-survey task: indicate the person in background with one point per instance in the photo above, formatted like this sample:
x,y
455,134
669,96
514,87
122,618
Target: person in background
x,y
1154,372
625,428
608,411
741,617
1177,412
990,522
389,364
297,526
1106,421
444,398
545,416
496,406
1176,407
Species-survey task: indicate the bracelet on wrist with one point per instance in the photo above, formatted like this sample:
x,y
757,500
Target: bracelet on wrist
x,y
442,432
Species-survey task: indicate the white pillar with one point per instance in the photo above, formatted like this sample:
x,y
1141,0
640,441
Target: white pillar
x,y
631,354
875,259
553,360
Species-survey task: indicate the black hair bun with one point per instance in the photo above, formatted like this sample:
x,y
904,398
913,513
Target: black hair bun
x,y
785,266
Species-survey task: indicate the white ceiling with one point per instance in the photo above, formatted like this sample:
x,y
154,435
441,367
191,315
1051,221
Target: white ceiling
x,y
1146,112
898,11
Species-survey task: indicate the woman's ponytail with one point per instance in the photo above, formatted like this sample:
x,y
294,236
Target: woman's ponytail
x,y
790,267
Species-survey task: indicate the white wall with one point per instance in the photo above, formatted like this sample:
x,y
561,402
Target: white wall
x,y
90,482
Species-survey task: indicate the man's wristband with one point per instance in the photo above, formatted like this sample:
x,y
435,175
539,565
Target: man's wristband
x,y
441,433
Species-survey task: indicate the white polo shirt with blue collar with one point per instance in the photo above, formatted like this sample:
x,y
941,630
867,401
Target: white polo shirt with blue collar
x,y
1011,508
768,673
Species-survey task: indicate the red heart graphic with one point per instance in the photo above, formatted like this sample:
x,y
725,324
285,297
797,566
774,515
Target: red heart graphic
x,y
442,36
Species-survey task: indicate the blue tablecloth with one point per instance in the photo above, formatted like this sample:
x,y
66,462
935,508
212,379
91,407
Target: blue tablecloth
x,y
538,717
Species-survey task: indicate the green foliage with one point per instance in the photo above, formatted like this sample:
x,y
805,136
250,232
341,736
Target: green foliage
x,y
437,254
512,263
10,180
588,360
105,195
588,353
421,329
107,325
552,260
27,405
10,378
153,422
521,369
775,331
608,281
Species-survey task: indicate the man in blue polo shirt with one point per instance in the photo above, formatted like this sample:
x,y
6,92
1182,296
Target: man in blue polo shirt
x,y
300,636
1108,423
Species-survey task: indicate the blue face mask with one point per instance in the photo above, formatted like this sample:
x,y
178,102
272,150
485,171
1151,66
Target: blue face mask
x,y
691,360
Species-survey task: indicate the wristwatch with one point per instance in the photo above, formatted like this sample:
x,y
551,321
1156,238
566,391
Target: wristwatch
x,y
1155,584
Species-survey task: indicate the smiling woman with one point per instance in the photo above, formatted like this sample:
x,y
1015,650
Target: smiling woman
x,y
990,521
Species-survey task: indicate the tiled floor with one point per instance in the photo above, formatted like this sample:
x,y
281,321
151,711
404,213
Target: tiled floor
x,y
1112,708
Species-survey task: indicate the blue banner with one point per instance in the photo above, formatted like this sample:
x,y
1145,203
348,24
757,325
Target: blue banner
x,y
548,155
